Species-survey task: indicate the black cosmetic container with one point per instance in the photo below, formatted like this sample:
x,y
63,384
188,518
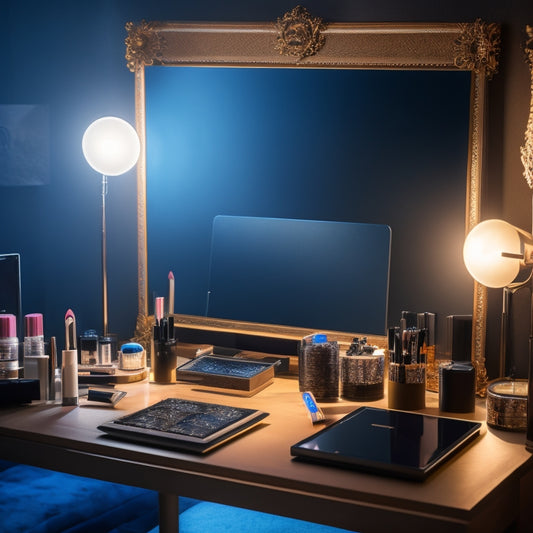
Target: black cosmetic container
x,y
457,387
165,356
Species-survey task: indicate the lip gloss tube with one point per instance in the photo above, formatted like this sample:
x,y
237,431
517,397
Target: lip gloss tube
x,y
9,347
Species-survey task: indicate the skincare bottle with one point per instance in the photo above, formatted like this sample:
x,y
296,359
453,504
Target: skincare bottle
x,y
69,377
9,347
105,351
89,348
35,361
34,338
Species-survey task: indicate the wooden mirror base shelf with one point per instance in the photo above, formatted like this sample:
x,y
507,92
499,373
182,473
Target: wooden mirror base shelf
x,y
247,336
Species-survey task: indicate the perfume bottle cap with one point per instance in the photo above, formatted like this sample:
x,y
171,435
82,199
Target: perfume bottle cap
x,y
8,326
33,324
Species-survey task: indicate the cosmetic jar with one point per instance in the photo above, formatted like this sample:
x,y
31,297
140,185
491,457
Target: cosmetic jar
x,y
89,347
131,357
34,339
9,347
362,376
318,367
105,351
457,387
507,404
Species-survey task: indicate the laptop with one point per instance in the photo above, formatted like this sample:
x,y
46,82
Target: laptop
x,y
383,441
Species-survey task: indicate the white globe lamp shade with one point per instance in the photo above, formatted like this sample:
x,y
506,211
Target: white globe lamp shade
x,y
482,253
111,146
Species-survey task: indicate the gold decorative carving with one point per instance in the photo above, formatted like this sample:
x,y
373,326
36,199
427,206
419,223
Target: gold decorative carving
x,y
143,331
143,44
477,47
526,151
299,33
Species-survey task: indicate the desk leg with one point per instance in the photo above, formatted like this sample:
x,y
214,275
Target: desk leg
x,y
169,510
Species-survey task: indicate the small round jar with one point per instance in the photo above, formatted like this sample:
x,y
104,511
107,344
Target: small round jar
x,y
507,405
362,377
131,357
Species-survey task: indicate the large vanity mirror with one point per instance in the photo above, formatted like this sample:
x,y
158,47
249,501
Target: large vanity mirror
x,y
458,58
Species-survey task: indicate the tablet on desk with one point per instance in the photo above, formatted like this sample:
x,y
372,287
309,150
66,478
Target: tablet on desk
x,y
184,425
396,443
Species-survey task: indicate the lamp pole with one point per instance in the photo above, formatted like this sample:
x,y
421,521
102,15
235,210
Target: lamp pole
x,y
104,257
111,146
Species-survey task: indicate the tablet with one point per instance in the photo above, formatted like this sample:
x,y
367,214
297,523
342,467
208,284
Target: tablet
x,y
184,425
383,441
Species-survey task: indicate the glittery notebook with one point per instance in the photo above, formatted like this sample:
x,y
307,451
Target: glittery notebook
x,y
184,425
227,373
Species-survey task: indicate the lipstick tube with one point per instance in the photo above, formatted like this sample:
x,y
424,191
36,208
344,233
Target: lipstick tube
x,y
69,377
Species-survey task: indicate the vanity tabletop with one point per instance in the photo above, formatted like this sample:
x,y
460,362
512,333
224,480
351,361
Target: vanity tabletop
x,y
482,485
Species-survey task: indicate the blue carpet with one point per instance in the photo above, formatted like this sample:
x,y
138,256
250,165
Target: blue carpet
x,y
206,517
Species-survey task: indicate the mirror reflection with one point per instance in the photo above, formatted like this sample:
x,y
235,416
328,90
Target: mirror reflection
x,y
378,147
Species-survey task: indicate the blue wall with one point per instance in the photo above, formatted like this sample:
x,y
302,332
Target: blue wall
x,y
343,145
69,56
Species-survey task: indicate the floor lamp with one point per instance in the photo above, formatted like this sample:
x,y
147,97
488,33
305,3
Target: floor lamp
x,y
111,147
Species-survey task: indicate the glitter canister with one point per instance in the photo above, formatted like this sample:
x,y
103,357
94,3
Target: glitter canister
x,y
318,367
362,377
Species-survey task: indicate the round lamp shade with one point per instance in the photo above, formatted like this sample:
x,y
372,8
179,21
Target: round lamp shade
x,y
482,253
111,146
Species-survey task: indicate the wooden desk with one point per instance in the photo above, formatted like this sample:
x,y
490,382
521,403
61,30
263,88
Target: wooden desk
x,y
485,488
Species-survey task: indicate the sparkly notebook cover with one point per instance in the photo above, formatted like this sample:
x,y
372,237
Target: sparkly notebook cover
x,y
227,372
184,424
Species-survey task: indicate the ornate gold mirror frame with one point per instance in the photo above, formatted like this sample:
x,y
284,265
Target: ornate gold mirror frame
x,y
298,40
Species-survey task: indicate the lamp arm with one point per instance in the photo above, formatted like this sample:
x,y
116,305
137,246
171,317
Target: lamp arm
x,y
516,286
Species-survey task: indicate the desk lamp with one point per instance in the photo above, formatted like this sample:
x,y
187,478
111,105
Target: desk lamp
x,y
495,252
111,147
